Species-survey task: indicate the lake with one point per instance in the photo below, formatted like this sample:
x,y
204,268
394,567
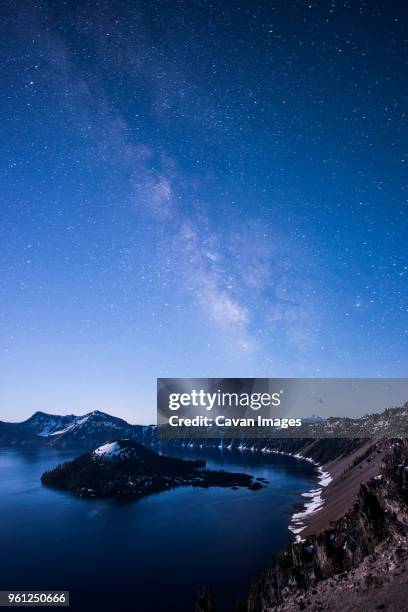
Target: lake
x,y
151,555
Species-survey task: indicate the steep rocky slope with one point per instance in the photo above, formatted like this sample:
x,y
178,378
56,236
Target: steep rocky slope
x,y
356,558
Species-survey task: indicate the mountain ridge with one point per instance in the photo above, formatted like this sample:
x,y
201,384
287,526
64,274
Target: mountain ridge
x,y
86,431
71,431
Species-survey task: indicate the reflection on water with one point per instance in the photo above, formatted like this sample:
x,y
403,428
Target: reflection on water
x,y
151,555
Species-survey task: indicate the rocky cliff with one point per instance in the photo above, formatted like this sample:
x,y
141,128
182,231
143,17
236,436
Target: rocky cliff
x,y
311,574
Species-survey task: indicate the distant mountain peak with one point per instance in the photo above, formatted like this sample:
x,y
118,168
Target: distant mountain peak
x,y
39,415
98,413
314,418
72,431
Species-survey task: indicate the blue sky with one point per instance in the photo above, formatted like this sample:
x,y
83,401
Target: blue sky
x,y
199,189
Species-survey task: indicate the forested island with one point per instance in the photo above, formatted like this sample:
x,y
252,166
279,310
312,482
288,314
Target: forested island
x,y
125,469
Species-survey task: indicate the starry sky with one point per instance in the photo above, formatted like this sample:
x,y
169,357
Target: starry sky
x,y
199,188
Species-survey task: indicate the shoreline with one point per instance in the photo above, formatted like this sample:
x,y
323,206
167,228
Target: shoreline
x,y
298,521
315,503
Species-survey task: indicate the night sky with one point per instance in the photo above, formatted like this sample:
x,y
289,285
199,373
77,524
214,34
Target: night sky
x,y
199,188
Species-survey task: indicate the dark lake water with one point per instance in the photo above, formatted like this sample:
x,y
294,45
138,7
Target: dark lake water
x,y
151,555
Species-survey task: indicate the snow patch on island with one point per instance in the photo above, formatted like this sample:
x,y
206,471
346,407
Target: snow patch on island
x,y
110,451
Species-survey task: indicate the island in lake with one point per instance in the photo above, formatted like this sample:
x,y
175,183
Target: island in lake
x,y
125,469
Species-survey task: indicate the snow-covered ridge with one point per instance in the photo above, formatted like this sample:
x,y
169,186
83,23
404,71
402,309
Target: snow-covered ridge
x,y
77,421
48,428
46,425
86,431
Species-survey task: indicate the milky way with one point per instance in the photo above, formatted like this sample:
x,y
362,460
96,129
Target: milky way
x,y
199,189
